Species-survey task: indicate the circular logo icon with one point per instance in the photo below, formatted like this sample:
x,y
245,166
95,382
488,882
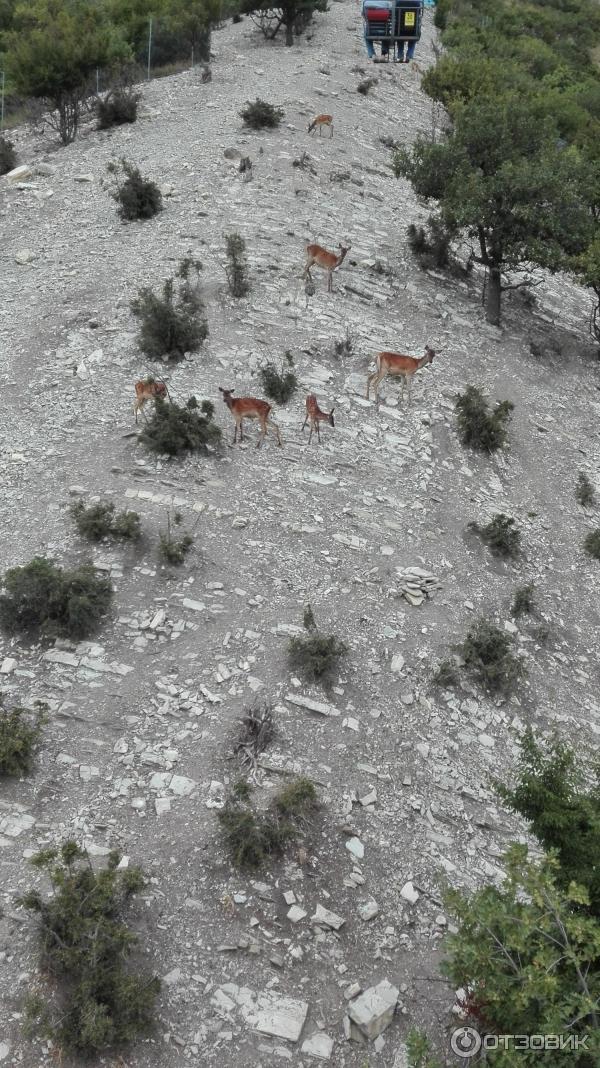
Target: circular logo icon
x,y
465,1042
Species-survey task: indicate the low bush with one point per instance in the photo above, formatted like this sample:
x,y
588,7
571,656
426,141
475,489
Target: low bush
x,y
137,198
344,346
487,654
523,603
258,731
172,322
174,429
43,597
118,107
8,156
251,838
431,245
365,86
99,521
260,115
237,265
446,674
478,427
584,491
174,550
280,384
316,655
20,730
501,535
97,1003
592,543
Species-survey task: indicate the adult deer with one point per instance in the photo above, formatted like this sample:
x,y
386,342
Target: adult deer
x,y
146,390
249,408
327,261
314,416
392,363
321,121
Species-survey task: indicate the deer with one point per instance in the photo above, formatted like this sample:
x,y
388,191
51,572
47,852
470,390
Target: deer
x,y
321,121
328,261
392,363
314,415
249,408
145,391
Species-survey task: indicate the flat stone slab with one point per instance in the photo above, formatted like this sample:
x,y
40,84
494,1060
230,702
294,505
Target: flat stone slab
x,y
373,1010
282,1017
312,706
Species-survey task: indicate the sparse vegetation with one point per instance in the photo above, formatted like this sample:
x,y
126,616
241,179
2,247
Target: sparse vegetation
x,y
431,244
237,265
316,655
365,86
8,156
592,543
478,427
172,323
487,654
258,731
280,384
98,521
175,429
501,535
344,346
137,198
523,602
42,597
259,115
118,107
174,550
419,1053
20,730
446,674
251,837
85,946
584,491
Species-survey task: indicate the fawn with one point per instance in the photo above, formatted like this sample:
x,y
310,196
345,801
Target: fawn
x,y
249,408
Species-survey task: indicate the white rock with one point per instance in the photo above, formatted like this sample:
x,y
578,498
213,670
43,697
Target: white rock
x,y
173,977
4,1050
24,256
368,909
8,665
327,918
295,914
182,786
397,663
312,706
318,1045
162,804
409,893
20,174
355,846
373,1011
282,1017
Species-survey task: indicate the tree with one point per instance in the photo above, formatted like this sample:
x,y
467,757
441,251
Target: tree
x,y
194,20
502,176
53,51
294,15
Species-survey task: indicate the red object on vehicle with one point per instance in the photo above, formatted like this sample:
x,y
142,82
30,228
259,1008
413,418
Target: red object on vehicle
x,y
375,14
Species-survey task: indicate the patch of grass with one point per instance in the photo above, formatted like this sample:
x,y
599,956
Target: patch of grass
x,y
42,597
172,322
592,543
487,653
316,655
501,535
584,491
237,265
280,384
117,108
260,115
523,602
99,521
365,86
446,675
20,730
174,550
251,837
137,198
431,244
97,1003
478,427
8,156
175,429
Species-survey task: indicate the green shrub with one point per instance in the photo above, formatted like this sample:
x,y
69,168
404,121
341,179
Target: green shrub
x,y
523,603
365,86
280,384
137,197
478,427
253,837
446,674
19,733
419,1054
487,654
118,107
43,597
99,521
172,323
174,550
175,429
237,265
260,115
584,490
8,156
316,655
592,543
431,246
85,946
501,535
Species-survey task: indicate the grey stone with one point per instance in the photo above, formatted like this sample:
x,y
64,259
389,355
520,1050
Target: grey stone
x,y
373,1010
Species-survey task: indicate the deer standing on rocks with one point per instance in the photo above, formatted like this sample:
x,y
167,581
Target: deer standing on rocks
x,y
392,363
314,415
327,261
249,408
145,391
321,121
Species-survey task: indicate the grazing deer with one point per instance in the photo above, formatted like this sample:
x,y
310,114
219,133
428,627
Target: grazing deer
x,y
321,121
328,261
249,408
145,391
391,363
314,415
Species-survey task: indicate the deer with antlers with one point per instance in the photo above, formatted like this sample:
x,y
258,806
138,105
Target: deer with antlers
x,y
327,261
314,416
392,363
249,408
145,390
321,121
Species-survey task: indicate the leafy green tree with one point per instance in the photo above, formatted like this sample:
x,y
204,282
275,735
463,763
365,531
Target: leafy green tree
x,y
293,15
501,176
53,51
194,19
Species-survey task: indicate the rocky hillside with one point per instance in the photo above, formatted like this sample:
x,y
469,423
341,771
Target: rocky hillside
x,y
138,749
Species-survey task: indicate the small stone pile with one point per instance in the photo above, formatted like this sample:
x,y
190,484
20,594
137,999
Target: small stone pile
x,y
416,585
